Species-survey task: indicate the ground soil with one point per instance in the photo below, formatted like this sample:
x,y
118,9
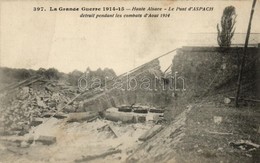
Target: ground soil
x,y
190,134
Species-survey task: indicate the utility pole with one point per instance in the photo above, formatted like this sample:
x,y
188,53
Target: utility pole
x,y
244,53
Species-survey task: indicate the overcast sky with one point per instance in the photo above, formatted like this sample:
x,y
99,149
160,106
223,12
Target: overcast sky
x,y
67,42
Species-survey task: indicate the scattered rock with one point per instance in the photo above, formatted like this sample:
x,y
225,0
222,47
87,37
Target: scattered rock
x,y
40,103
36,121
200,151
156,118
22,105
220,149
24,144
140,119
46,140
69,109
217,119
30,140
248,155
227,100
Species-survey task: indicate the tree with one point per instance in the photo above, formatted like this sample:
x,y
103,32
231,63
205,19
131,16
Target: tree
x,y
74,76
52,73
228,21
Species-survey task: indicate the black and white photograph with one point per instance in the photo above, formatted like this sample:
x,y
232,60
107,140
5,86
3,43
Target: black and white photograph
x,y
130,81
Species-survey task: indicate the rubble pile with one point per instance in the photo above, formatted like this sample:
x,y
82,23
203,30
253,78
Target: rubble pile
x,y
22,105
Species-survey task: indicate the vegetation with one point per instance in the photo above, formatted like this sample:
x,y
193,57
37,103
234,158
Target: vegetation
x,y
10,75
228,21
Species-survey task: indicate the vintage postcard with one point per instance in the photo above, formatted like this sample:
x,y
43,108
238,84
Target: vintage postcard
x,y
168,81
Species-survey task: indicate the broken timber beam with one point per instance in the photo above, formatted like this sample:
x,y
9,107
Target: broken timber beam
x,y
102,155
150,133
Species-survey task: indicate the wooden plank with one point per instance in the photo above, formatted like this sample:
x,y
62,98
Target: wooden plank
x,y
102,155
15,85
150,133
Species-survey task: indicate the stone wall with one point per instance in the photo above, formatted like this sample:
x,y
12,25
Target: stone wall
x,y
211,68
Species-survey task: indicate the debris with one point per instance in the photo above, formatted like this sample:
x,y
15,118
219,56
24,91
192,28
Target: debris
x,y
176,132
244,144
36,121
30,99
252,149
33,81
156,118
49,89
40,103
123,117
125,109
200,151
140,109
217,119
18,139
139,119
71,101
58,115
24,93
93,119
150,133
46,140
83,116
220,149
69,109
248,155
108,128
16,150
24,144
30,140
155,110
227,100
22,83
102,155
220,133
